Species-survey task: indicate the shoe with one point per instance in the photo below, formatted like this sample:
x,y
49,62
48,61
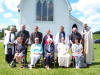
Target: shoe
x,y
89,63
47,67
77,67
30,66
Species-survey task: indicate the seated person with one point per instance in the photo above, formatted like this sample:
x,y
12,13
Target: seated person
x,y
77,50
36,52
19,51
49,52
9,55
63,55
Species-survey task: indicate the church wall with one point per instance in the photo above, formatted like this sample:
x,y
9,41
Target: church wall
x,y
61,17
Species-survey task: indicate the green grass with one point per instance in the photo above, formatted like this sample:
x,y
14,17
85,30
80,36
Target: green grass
x,y
92,70
96,36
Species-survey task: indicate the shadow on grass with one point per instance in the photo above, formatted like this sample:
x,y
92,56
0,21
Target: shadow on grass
x,y
95,63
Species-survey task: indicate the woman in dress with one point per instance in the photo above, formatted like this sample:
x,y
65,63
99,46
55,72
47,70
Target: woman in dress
x,y
19,51
77,51
63,55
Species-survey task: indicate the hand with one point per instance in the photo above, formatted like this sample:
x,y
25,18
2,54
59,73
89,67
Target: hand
x,y
48,54
11,43
64,53
36,53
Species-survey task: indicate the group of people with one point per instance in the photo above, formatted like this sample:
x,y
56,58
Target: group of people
x,y
16,44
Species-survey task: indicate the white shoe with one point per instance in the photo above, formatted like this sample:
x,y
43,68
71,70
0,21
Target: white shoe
x,y
30,66
77,67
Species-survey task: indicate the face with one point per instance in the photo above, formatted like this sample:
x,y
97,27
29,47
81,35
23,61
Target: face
x,y
63,40
48,32
75,30
36,41
36,28
12,29
61,29
23,27
50,42
76,40
85,26
19,39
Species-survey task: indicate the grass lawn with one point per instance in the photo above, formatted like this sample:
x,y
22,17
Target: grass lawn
x,y
92,70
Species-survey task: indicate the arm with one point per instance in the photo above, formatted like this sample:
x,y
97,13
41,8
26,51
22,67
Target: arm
x,y
81,51
70,39
41,50
28,35
31,38
43,43
73,51
32,48
41,36
53,48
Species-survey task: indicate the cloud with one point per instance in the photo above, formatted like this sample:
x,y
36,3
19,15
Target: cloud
x,y
90,10
1,8
7,15
12,4
14,20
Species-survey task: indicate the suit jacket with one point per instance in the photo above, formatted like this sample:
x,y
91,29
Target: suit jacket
x,y
46,47
34,35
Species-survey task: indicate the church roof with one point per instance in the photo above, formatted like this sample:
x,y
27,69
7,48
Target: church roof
x,y
67,2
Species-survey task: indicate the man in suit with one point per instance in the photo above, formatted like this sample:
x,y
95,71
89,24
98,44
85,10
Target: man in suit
x,y
36,34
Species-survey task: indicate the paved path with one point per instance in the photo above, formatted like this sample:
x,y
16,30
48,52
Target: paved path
x,y
1,40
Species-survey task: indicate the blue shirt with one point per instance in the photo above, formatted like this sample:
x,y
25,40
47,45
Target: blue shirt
x,y
36,48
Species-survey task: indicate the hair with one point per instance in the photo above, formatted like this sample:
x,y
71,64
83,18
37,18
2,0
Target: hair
x,y
37,38
76,38
49,39
74,26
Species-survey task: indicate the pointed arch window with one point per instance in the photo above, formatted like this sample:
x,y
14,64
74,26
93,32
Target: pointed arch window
x,y
50,11
44,13
38,10
44,10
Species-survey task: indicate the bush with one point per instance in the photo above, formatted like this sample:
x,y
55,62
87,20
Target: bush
x,y
1,35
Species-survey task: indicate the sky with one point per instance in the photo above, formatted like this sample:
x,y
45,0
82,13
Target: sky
x,y
87,11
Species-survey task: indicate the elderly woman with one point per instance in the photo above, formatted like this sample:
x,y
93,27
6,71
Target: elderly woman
x,y
63,55
36,52
19,51
77,50
49,52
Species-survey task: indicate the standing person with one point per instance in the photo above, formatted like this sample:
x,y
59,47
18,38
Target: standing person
x,y
75,34
35,34
36,52
9,44
63,55
88,44
48,35
77,50
61,34
49,52
25,36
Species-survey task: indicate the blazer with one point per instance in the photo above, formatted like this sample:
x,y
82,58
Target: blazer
x,y
34,35
46,49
